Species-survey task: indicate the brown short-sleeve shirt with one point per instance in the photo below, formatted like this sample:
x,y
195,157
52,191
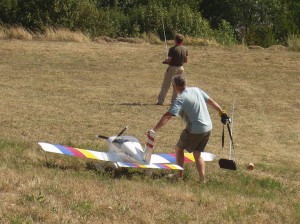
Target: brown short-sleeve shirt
x,y
178,53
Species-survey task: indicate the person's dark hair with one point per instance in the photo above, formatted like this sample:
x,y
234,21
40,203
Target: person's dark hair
x,y
179,38
179,80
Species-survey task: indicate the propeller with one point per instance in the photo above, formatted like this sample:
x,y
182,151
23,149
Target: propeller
x,y
122,131
105,137
101,136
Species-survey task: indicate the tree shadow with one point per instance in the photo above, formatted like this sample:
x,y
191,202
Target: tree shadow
x,y
137,104
109,170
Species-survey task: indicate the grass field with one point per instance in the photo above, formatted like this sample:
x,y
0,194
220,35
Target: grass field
x,y
65,93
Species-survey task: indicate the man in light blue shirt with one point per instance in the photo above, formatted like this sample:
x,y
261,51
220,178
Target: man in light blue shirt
x,y
191,105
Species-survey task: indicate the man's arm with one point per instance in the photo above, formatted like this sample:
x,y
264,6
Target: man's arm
x,y
214,105
185,59
224,117
167,61
163,121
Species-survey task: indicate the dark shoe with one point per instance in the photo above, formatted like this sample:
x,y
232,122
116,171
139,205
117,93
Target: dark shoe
x,y
159,104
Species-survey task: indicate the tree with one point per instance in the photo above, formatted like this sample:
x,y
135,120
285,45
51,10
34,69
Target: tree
x,y
8,10
266,21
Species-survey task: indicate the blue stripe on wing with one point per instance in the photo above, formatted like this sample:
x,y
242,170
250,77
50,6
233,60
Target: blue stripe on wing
x,y
64,150
170,157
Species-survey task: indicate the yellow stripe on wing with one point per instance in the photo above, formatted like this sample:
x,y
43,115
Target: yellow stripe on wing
x,y
143,166
189,157
87,153
172,166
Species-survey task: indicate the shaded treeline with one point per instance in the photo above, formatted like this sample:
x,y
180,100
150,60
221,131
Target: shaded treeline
x,y
262,22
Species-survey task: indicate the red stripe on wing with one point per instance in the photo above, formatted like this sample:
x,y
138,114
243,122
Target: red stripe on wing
x,y
75,152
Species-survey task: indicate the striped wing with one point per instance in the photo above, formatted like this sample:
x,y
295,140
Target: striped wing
x,y
188,157
150,166
83,153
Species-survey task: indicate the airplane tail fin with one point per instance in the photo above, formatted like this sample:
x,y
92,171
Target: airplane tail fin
x,y
149,146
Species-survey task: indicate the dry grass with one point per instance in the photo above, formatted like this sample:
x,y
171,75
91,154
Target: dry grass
x,y
67,92
50,34
62,34
200,41
15,33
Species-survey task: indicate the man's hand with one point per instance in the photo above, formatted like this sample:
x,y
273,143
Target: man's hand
x,y
165,61
150,133
224,117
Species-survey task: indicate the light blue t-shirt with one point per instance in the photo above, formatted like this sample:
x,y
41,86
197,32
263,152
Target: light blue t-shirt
x,y
191,106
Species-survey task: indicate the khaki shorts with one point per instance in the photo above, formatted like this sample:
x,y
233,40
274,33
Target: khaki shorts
x,y
193,142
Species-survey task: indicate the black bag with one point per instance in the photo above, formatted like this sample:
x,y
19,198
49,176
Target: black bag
x,y
227,163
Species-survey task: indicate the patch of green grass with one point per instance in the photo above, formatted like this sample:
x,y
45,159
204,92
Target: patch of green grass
x,y
297,212
56,189
6,145
84,207
270,184
177,216
20,219
39,197
284,170
233,214
16,153
241,183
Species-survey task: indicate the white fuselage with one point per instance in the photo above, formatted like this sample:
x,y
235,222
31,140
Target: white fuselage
x,y
126,149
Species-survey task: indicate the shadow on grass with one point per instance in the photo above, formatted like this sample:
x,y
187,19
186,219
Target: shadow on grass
x,y
55,165
137,104
108,170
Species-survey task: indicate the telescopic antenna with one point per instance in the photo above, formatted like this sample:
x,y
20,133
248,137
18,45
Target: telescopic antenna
x,y
165,36
231,131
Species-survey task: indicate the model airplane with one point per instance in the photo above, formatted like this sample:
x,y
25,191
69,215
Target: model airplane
x,y
126,151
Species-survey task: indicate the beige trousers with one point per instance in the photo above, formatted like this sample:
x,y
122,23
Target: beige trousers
x,y
171,71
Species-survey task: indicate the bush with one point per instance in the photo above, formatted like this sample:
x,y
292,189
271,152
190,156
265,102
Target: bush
x,y
260,35
225,34
187,21
111,19
294,42
150,38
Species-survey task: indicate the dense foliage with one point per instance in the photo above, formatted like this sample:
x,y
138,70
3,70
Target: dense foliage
x,y
262,22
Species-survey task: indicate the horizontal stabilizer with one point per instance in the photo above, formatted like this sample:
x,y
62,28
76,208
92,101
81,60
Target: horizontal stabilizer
x,y
83,153
150,166
188,157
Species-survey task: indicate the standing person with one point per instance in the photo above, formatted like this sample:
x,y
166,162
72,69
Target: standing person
x,y
177,56
191,105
